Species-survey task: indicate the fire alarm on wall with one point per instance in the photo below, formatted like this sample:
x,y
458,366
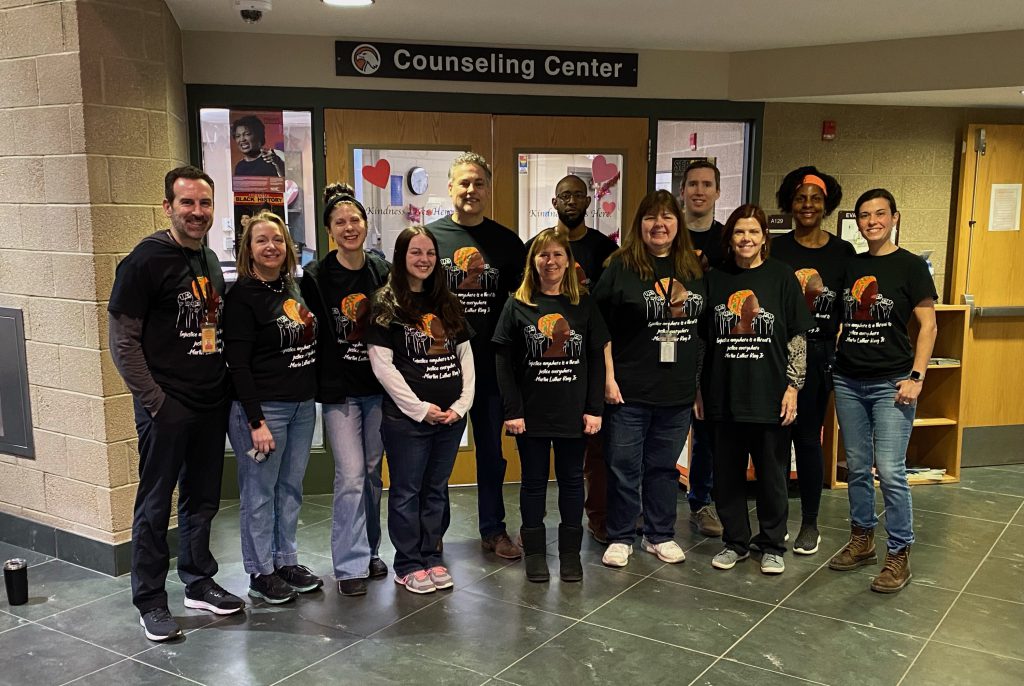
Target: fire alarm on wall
x,y
828,130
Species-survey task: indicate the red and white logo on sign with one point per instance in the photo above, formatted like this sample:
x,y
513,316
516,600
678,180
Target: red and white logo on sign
x,y
365,59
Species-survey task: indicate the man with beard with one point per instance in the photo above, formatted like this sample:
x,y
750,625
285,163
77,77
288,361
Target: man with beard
x,y
165,339
590,248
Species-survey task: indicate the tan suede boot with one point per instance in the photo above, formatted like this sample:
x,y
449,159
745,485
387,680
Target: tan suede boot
x,y
895,574
858,552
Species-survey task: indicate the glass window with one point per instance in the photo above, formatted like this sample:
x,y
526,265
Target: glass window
x,y
299,192
721,142
539,174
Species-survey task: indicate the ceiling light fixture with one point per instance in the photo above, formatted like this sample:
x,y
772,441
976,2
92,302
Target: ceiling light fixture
x,y
348,3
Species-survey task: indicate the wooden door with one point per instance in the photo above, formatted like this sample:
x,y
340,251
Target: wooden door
x,y
515,135
987,266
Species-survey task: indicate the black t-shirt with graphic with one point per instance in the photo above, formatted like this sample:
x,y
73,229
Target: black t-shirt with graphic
x,y
751,317
879,297
638,317
349,296
424,355
269,343
709,245
590,253
820,273
483,265
174,290
557,351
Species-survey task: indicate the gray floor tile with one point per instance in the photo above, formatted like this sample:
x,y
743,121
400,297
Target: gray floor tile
x,y
1010,545
728,673
780,643
684,616
9,621
957,500
56,585
984,624
599,585
474,632
8,551
999,578
237,650
959,534
946,664
993,481
588,654
32,654
134,673
916,610
934,565
376,663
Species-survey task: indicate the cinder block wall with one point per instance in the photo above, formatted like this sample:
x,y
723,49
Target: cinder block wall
x,y
92,114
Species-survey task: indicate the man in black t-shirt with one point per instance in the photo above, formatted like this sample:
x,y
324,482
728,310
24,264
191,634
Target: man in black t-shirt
x,y
165,339
483,262
590,248
700,189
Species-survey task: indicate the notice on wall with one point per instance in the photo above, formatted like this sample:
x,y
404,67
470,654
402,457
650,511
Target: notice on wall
x,y
1004,207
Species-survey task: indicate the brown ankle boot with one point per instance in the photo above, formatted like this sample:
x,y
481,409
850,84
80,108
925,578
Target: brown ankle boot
x,y
895,574
858,552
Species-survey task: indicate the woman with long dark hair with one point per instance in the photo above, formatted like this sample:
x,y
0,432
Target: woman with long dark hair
x,y
757,321
270,350
878,378
652,295
339,289
419,349
550,341
818,258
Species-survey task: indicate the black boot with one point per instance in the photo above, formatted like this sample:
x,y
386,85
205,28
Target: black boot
x,y
535,553
570,539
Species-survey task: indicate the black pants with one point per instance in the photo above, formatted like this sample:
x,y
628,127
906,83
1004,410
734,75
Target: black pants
x,y
768,446
812,402
487,417
184,448
535,457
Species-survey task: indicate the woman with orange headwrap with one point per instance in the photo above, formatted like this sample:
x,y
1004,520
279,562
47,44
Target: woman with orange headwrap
x,y
755,367
270,349
819,259
550,342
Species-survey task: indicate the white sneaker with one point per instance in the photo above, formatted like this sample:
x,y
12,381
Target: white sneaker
x,y
617,555
667,551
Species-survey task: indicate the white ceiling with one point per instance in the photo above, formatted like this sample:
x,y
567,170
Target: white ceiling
x,y
701,25
707,25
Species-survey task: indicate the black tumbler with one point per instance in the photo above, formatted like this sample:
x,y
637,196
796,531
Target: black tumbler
x,y
16,581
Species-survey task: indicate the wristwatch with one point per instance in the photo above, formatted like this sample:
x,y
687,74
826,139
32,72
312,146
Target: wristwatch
x,y
916,376
256,423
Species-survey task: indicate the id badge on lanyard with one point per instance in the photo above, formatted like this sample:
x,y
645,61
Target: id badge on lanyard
x,y
667,340
208,343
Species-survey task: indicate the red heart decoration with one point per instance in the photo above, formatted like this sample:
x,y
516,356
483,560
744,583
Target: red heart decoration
x,y
608,207
602,169
378,174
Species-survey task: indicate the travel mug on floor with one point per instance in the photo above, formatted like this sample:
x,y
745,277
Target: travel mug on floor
x,y
16,580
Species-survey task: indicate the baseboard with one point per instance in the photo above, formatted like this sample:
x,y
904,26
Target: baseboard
x,y
992,445
106,558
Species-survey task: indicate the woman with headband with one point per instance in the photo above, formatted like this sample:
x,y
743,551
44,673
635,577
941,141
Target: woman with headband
x,y
339,289
818,258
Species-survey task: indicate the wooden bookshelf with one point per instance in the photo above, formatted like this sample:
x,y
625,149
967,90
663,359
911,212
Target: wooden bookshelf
x,y
938,428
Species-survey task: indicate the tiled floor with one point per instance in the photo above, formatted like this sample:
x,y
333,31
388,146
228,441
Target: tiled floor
x,y
961,620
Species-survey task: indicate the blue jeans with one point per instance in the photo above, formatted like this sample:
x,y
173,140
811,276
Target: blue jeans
x,y
353,428
874,426
271,491
420,461
642,446
702,465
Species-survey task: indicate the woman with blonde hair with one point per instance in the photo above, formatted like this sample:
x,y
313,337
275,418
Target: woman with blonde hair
x,y
270,350
652,294
550,363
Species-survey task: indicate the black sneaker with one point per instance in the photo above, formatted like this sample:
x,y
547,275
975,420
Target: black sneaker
x,y
300,577
807,540
352,587
271,588
159,625
378,570
213,598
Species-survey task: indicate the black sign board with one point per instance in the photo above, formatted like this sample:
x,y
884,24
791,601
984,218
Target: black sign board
x,y
502,65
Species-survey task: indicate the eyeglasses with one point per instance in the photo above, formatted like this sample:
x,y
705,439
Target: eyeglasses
x,y
578,196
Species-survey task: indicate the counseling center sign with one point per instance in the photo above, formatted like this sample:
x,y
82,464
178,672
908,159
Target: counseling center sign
x,y
503,65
